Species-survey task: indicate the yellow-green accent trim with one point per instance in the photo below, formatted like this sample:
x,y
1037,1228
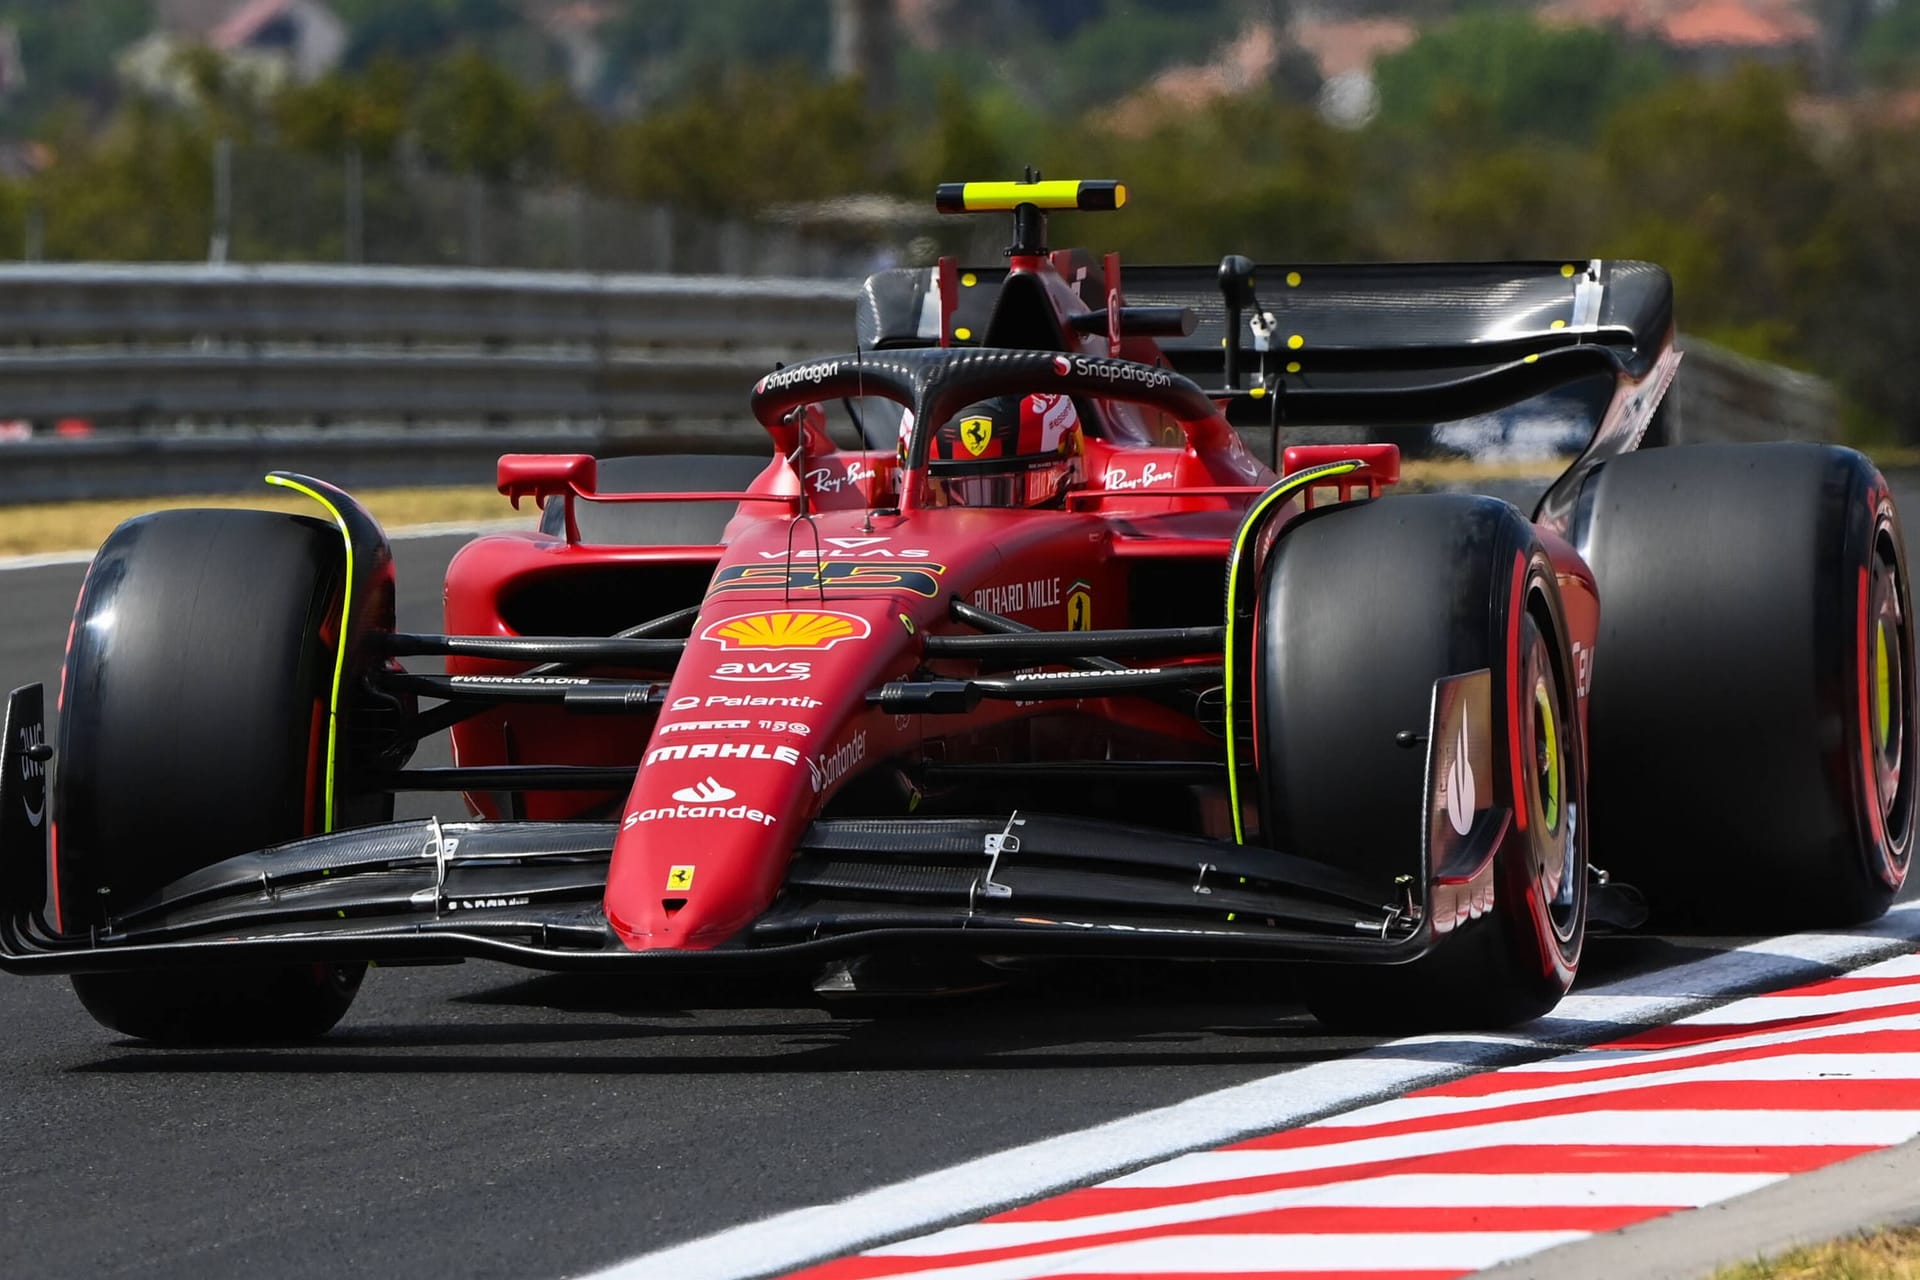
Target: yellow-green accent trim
x,y
1000,197
1543,700
340,647
1250,525
1883,685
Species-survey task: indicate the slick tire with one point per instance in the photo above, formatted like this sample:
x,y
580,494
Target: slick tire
x,y
192,729
1363,607
1753,684
659,524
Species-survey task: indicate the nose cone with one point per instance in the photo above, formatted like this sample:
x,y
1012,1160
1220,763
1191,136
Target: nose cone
x,y
767,714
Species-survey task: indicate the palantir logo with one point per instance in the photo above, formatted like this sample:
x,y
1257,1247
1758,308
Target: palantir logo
x,y
708,792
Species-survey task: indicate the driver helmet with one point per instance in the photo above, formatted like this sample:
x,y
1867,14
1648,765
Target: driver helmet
x,y
1011,451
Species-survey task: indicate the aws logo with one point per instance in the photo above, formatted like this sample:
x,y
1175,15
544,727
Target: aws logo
x,y
786,630
763,672
920,577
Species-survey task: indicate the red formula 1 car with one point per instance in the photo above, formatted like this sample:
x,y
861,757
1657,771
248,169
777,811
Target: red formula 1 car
x,y
1066,672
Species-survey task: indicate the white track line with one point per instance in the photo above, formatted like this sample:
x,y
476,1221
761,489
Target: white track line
x,y
1623,1128
988,1183
1394,1191
1267,1254
404,533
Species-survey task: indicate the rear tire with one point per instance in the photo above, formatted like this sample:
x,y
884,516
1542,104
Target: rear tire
x,y
1753,684
1364,607
192,729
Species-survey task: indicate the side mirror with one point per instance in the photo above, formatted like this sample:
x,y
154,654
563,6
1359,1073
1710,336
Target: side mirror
x,y
550,475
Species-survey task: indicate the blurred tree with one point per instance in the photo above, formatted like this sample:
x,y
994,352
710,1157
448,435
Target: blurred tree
x,y
1521,201
369,111
418,30
68,50
751,141
1246,175
472,117
140,190
1859,274
1127,46
1714,179
1890,47
671,48
1556,82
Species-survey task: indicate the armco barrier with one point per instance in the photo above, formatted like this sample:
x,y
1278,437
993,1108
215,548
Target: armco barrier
x,y
168,359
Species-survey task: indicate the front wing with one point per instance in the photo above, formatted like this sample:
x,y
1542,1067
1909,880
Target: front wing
x,y
529,893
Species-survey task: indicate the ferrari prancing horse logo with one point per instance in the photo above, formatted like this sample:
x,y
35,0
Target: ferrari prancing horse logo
x,y
976,434
1080,607
680,878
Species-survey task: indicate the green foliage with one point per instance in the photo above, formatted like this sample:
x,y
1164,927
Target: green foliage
x,y
1556,82
1713,179
66,46
140,191
368,112
668,48
1125,47
752,141
1497,139
418,30
474,118
1890,48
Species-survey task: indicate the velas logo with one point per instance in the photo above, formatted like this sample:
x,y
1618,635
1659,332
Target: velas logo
x,y
784,629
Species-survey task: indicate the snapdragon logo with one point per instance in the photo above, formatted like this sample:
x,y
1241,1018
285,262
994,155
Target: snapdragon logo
x,y
1118,371
796,374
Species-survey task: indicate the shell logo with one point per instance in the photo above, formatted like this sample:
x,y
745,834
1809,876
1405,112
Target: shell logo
x,y
787,629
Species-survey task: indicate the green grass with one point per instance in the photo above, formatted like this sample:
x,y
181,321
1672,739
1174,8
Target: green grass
x,y
1892,1254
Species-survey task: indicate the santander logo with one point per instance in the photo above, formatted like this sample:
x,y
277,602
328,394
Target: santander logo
x,y
1460,796
708,792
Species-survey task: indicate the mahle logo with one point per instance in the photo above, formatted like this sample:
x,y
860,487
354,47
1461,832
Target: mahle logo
x,y
787,630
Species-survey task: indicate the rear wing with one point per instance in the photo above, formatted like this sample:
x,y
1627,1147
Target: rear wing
x,y
1372,343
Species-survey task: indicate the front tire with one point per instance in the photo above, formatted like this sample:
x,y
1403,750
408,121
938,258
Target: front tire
x,y
194,705
1363,608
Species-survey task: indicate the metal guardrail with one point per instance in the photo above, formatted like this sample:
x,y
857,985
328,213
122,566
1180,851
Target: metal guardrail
x,y
168,303
168,358
1728,397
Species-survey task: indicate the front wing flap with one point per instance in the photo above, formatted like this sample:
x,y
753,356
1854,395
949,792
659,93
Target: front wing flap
x,y
529,893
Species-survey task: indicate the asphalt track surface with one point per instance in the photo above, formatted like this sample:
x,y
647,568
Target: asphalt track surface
x,y
476,1120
